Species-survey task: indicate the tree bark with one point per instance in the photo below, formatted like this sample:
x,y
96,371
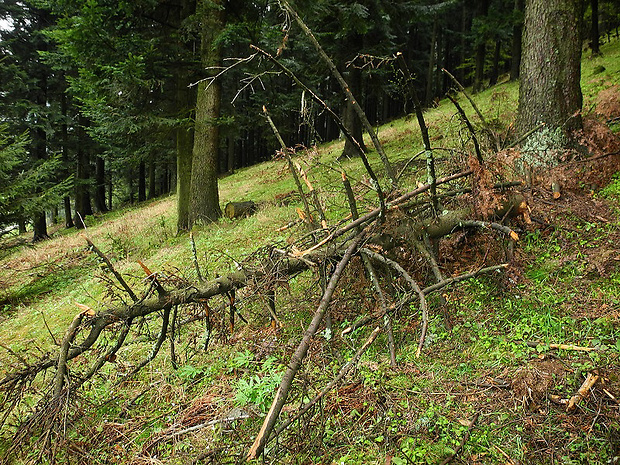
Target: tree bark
x,y
550,90
204,197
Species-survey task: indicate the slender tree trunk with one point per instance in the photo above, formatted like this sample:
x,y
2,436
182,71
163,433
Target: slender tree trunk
x,y
204,196
481,49
82,195
185,102
230,160
463,52
152,188
141,182
100,185
431,65
351,120
130,185
517,38
39,144
65,156
67,208
594,32
496,57
551,65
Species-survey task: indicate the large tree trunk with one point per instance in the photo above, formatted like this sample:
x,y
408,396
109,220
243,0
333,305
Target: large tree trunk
x,y
517,37
204,197
551,65
351,120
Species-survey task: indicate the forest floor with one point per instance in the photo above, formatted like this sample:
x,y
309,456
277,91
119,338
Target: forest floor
x,y
502,357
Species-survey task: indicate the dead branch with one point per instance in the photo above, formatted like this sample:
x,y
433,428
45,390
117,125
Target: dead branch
x,y
61,371
341,374
160,340
195,256
561,346
470,127
428,151
583,391
412,284
490,133
471,426
291,167
462,277
276,407
387,321
108,263
347,91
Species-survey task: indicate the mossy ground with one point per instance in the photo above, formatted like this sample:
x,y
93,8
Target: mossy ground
x,y
563,287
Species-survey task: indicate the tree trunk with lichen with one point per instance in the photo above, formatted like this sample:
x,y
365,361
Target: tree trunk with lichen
x,y
550,72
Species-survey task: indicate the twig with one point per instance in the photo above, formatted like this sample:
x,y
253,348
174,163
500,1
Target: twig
x,y
526,135
108,263
48,329
583,391
428,151
195,255
475,107
341,374
562,346
336,119
412,284
470,127
280,398
472,424
462,277
291,167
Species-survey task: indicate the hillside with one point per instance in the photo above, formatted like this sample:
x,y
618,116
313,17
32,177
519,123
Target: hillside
x,y
501,355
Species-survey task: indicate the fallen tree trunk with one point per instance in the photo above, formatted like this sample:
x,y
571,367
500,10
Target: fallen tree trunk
x,y
239,209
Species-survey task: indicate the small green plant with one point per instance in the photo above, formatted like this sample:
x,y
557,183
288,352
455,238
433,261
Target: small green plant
x,y
259,389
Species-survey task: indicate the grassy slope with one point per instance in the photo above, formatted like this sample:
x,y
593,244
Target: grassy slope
x,y
418,410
